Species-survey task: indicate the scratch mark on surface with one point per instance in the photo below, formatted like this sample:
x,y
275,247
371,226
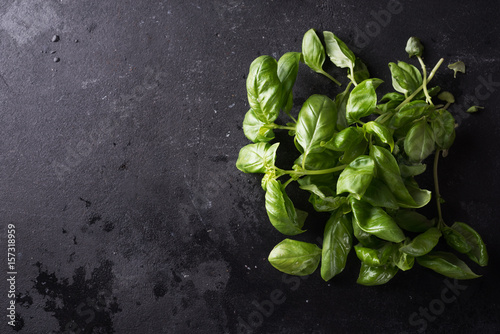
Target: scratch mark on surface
x,y
192,200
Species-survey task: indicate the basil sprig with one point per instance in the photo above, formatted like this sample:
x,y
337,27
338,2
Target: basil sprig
x,y
357,156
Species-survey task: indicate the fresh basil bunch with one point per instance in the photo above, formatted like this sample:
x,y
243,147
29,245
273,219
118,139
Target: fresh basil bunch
x,y
358,156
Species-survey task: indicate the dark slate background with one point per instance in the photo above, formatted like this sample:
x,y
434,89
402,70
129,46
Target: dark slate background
x,y
117,166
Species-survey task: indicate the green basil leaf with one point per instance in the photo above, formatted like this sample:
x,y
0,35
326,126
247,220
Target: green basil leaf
x,y
381,132
412,221
402,260
318,160
255,130
412,170
420,141
326,203
421,197
447,264
338,52
344,139
477,252
362,100
371,276
288,67
378,194
375,257
337,244
354,151
282,214
356,177
443,126
392,96
264,89
446,97
388,171
456,240
410,112
405,78
295,257
316,123
257,158
366,239
361,72
459,66
313,51
474,109
341,104
414,47
376,221
422,243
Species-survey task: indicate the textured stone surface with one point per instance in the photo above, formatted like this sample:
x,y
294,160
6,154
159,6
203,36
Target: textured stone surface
x,y
117,166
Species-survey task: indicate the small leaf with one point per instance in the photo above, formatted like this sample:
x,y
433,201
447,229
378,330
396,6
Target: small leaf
x,y
459,66
443,126
414,47
344,139
447,264
295,257
371,276
422,243
477,252
447,97
412,221
381,132
474,109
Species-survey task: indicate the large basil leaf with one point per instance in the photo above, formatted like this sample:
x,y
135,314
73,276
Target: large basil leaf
x,y
356,177
371,275
412,221
465,239
388,171
295,257
338,52
282,214
255,130
288,67
256,158
337,243
419,142
443,126
264,89
447,264
362,100
316,123
376,221
422,243
381,132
